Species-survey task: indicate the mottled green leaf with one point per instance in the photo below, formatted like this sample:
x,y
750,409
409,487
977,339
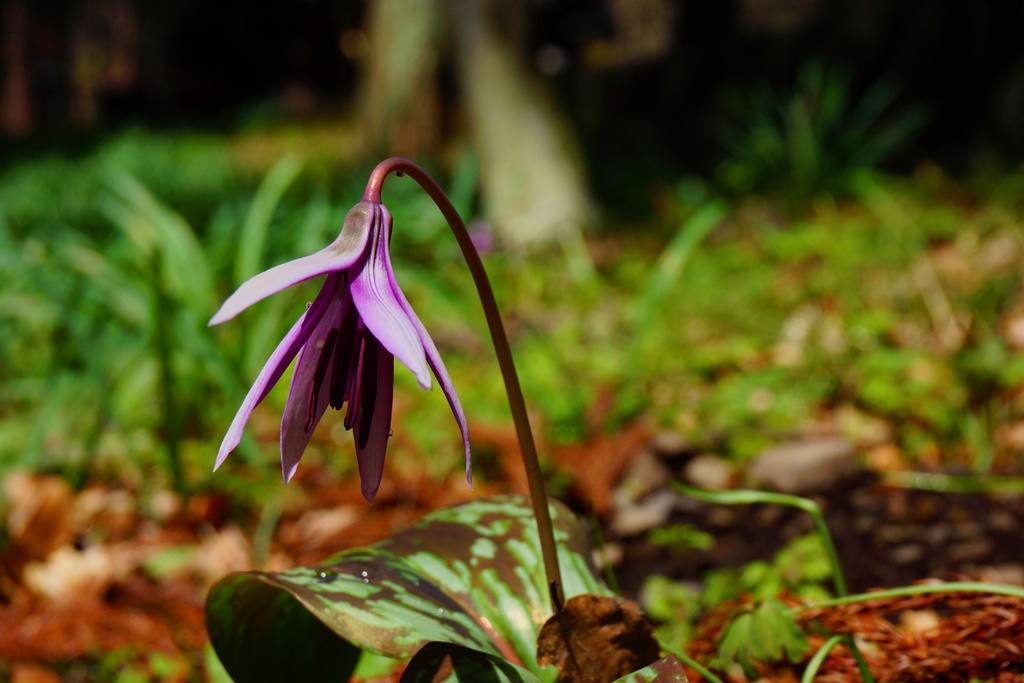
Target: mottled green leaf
x,y
470,575
666,670
447,663
263,634
487,557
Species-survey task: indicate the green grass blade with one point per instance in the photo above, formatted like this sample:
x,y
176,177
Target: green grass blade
x,y
673,260
819,658
185,273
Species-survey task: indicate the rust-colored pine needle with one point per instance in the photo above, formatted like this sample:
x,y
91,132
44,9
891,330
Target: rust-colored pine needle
x,y
964,636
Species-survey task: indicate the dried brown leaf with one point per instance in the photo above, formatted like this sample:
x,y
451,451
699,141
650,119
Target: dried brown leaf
x,y
595,638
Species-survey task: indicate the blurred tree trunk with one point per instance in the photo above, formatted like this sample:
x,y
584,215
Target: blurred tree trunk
x,y
104,54
531,168
16,100
400,100
155,20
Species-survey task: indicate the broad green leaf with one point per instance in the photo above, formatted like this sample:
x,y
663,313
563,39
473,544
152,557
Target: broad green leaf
x,y
447,663
214,670
373,666
487,557
272,638
666,670
470,575
381,603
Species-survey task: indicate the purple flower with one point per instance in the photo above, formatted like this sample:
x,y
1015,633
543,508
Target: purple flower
x,y
347,341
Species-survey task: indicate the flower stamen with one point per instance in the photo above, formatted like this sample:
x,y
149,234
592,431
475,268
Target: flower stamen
x,y
368,395
346,343
355,380
342,357
318,379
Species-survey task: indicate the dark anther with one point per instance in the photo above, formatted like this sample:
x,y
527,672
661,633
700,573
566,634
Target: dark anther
x,y
368,393
355,380
343,357
318,379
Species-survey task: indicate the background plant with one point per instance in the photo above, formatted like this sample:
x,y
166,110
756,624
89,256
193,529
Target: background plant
x,y
816,139
887,325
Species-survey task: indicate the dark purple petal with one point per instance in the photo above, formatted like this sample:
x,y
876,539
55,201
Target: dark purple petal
x,y
367,397
375,432
373,292
275,367
326,355
356,377
298,410
343,354
343,253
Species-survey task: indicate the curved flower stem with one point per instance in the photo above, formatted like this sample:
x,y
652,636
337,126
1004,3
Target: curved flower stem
x,y
744,497
501,348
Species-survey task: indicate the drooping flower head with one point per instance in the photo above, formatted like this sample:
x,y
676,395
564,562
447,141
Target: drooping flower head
x,y
346,342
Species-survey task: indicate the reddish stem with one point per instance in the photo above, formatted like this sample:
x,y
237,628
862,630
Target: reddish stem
x,y
527,447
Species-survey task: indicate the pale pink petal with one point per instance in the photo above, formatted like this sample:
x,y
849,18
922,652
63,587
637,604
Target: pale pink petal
x,y
371,457
294,437
373,292
275,367
343,253
434,359
437,365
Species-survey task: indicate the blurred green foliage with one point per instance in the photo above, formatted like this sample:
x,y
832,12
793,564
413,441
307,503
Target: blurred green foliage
x,y
801,568
765,633
681,538
815,139
894,317
718,320
191,172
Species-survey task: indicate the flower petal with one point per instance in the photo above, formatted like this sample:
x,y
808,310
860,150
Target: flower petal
x,y
294,435
434,359
373,292
275,367
343,253
371,455
440,371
